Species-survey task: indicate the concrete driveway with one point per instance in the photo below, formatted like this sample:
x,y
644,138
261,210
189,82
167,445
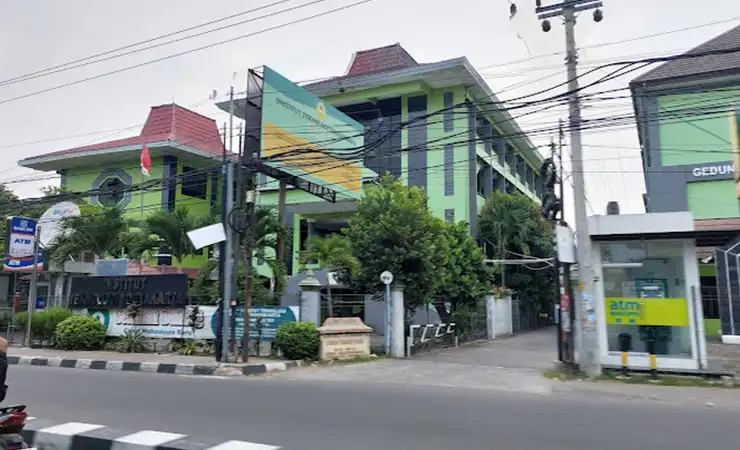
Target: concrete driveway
x,y
535,350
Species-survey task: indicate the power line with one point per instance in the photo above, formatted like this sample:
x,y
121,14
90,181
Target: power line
x,y
193,50
87,61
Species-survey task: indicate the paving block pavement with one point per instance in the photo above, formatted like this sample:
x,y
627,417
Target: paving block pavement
x,y
44,434
143,362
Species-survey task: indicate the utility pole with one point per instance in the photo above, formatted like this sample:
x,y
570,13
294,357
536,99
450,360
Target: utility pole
x,y
587,337
239,234
226,274
32,287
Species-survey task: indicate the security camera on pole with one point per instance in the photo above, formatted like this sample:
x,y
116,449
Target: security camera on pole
x,y
587,343
387,278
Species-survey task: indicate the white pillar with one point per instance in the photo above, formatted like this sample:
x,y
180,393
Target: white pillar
x,y
398,322
311,300
491,317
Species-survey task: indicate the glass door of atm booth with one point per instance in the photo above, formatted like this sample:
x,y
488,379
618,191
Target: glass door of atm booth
x,y
646,297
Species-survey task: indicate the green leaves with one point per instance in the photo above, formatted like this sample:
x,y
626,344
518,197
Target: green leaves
x,y
466,278
101,231
510,225
393,230
171,228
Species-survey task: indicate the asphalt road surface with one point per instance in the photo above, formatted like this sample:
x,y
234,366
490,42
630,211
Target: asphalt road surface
x,y
326,415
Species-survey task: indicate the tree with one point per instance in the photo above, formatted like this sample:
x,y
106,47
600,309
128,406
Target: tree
x,y
171,229
393,230
331,252
9,203
266,231
512,226
466,278
97,230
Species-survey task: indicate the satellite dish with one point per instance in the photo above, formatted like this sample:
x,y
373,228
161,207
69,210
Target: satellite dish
x,y
50,221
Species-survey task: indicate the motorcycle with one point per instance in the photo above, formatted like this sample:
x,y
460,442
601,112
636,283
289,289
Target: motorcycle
x,y
12,421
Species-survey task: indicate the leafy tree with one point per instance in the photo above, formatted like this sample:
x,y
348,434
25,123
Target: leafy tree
x,y
466,278
393,230
511,225
268,226
171,230
98,230
331,252
9,204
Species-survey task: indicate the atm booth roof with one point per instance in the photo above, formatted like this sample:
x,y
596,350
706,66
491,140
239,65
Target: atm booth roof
x,y
654,226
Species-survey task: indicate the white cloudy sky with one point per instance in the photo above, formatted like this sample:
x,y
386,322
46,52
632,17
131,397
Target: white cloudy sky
x,y
37,34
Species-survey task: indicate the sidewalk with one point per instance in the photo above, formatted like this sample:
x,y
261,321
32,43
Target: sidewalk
x,y
143,362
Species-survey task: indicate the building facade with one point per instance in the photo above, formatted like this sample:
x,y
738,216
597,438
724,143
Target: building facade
x,y
687,119
186,151
436,125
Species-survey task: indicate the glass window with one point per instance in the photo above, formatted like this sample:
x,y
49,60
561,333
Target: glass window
x,y
645,297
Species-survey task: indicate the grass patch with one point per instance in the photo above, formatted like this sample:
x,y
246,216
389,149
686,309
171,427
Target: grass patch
x,y
641,378
664,380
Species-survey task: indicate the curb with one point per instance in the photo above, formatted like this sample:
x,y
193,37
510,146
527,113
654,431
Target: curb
x,y
155,367
44,434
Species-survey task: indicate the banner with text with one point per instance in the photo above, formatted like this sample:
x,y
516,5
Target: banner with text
x,y
174,323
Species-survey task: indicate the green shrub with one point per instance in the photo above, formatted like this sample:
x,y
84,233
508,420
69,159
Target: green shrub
x,y
50,319
298,340
133,342
38,325
80,333
21,320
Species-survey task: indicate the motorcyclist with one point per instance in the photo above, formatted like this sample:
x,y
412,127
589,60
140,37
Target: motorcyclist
x,y
3,367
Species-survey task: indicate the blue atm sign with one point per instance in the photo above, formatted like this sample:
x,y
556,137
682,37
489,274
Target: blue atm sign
x,y
21,242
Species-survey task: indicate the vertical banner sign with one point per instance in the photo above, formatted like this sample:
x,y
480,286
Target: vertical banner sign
x,y
21,241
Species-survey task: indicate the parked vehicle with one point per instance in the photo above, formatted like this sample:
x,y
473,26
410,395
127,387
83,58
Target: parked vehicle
x,y
12,421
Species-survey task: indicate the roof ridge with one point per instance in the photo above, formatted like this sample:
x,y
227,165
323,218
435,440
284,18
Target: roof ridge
x,y
702,69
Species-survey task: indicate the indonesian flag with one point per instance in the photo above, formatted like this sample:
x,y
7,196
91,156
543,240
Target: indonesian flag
x,y
146,162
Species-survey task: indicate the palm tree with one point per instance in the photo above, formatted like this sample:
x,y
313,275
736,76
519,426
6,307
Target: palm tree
x,y
331,252
171,230
100,231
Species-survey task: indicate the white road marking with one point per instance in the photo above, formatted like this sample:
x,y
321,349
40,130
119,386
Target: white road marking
x,y
71,428
150,438
241,445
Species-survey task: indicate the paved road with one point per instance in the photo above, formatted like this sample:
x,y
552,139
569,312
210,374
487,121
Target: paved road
x,y
312,414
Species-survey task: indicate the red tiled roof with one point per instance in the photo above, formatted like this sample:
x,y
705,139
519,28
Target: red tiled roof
x,y
376,60
380,60
165,123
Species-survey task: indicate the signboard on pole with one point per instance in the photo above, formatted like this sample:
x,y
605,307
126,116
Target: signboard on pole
x,y
308,138
20,243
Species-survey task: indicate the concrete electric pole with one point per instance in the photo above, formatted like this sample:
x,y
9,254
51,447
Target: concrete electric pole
x,y
587,342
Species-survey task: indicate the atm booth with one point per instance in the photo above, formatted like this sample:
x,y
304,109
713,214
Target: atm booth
x,y
648,297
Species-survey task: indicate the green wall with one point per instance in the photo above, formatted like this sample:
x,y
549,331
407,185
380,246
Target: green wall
x,y
82,178
695,137
712,199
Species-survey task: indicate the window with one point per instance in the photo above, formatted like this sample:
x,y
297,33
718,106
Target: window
x,y
645,295
194,182
449,168
449,114
450,215
111,192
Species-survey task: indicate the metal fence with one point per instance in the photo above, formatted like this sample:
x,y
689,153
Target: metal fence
x,y
342,305
452,328
525,316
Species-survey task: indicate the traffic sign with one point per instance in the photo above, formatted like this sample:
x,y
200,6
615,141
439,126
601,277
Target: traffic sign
x,y
386,277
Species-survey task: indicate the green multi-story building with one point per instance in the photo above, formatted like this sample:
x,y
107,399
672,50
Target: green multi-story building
x,y
440,127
